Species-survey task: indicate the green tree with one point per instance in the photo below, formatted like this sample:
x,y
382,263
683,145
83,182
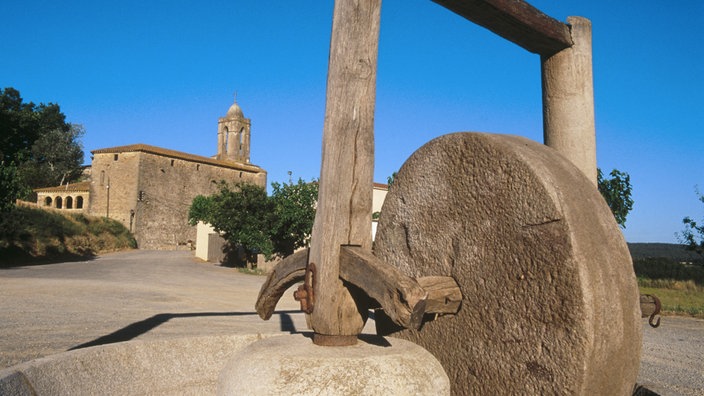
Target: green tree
x,y
200,210
294,213
693,234
23,123
56,158
616,190
37,142
254,223
242,214
391,179
11,186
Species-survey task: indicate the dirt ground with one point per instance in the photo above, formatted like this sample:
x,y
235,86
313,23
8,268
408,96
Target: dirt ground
x,y
48,309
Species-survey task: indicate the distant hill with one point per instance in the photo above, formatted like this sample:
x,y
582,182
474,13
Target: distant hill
x,y
670,251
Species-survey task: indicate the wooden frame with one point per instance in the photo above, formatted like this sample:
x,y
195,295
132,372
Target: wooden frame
x,y
341,240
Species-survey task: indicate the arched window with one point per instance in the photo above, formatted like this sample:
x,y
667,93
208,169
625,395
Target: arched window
x,y
225,140
241,143
79,202
47,201
59,203
69,202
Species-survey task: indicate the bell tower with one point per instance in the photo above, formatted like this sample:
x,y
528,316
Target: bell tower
x,y
234,135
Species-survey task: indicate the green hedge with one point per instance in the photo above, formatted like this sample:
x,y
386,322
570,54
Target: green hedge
x,y
667,269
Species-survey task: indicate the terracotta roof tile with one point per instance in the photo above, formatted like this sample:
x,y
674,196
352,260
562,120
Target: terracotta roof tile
x,y
145,148
73,187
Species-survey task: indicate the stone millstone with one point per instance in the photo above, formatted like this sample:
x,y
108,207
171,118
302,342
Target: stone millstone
x,y
293,365
550,301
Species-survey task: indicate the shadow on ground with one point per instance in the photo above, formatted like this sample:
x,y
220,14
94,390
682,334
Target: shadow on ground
x,y
138,328
15,257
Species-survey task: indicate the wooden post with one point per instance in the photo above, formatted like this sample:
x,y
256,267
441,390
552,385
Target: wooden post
x,y
568,99
344,210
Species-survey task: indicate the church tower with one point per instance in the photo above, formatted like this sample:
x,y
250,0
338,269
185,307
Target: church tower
x,y
234,135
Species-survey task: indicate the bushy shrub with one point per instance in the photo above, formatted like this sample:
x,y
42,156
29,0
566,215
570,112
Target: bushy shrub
x,y
664,269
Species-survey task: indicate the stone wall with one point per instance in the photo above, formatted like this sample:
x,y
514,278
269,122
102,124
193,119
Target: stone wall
x,y
67,201
151,192
113,189
72,197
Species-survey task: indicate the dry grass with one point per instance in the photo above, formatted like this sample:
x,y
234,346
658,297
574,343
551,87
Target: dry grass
x,y
678,285
29,235
680,300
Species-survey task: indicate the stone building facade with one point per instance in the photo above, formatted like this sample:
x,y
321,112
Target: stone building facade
x,y
150,189
71,197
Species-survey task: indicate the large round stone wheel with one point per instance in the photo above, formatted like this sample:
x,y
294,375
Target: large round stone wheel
x,y
550,301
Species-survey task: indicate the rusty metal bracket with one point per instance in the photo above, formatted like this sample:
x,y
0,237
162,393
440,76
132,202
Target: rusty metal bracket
x,y
305,294
650,306
658,306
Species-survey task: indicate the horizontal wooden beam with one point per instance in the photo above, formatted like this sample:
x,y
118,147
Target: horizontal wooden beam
x,y
444,294
516,21
402,298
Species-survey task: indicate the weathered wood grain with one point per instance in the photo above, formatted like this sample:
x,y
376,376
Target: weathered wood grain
x,y
290,270
444,295
344,211
402,298
516,21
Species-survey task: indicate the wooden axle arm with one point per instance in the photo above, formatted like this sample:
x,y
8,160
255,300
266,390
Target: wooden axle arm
x,y
404,299
289,271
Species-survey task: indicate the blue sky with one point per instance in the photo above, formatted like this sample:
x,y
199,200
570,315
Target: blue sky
x,y
162,72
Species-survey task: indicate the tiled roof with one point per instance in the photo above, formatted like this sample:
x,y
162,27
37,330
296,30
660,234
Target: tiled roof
x,y
145,148
73,187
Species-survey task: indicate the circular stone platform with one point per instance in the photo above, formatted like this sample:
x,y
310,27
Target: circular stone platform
x,y
293,365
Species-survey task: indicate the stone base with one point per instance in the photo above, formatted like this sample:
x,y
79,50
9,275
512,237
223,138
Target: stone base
x,y
293,365
181,366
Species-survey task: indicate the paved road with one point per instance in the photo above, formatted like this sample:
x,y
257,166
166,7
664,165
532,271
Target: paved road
x,y
141,294
49,309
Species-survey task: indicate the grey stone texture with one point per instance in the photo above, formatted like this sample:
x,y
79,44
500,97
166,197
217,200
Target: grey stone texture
x,y
182,366
293,365
550,301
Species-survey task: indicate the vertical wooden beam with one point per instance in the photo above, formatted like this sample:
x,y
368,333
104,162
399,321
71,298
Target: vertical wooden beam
x,y
568,99
344,210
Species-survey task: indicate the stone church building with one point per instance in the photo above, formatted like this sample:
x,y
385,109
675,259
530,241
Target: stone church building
x,y
150,189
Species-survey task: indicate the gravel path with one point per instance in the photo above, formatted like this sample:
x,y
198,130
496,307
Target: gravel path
x,y
672,360
48,309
